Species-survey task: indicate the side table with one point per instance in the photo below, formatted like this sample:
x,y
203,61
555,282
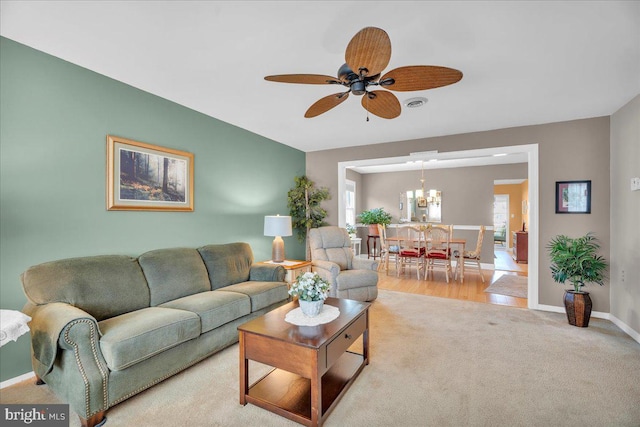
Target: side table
x,y
294,268
13,324
311,372
375,250
355,245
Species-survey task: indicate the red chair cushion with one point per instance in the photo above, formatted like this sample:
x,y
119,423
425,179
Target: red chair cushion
x,y
438,255
409,253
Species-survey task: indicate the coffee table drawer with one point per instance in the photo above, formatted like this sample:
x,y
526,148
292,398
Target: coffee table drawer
x,y
342,342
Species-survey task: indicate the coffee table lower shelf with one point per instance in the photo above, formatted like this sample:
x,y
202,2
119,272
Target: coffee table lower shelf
x,y
289,395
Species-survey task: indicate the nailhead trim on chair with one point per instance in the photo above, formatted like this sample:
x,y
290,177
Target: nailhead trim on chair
x,y
87,395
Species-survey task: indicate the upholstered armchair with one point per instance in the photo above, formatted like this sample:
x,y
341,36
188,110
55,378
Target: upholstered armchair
x,y
332,258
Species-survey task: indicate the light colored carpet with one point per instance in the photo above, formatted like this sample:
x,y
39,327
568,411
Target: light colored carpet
x,y
515,286
434,362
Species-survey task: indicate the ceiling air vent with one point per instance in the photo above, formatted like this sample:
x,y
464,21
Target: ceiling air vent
x,y
415,102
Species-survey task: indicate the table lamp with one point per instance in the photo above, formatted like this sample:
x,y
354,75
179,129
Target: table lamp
x,y
277,226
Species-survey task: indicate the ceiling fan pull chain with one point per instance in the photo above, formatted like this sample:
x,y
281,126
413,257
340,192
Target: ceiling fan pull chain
x,y
367,95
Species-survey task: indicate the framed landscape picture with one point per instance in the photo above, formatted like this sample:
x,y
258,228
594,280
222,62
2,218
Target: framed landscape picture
x,y
142,176
573,197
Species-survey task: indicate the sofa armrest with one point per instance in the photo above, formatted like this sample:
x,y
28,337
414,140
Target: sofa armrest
x,y
267,273
364,264
49,324
60,330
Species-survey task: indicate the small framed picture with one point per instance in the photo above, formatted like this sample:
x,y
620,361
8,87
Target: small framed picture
x,y
147,177
573,197
422,202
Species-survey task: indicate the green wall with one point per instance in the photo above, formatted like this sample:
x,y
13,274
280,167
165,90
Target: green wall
x,y
54,119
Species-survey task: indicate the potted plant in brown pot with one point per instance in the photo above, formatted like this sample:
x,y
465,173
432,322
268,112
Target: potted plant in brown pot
x,y
373,217
576,260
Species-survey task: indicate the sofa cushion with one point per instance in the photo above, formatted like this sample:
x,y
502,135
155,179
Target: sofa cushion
x,y
227,264
103,286
133,337
215,308
262,294
174,273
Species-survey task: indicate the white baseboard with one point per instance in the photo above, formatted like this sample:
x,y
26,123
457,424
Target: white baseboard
x,y
597,314
486,266
626,328
556,309
17,379
551,308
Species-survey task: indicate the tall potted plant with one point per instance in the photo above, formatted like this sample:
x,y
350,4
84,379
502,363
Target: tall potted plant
x,y
373,217
304,202
576,260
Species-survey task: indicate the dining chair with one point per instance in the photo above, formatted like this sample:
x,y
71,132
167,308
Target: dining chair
x,y
412,249
387,251
438,254
471,258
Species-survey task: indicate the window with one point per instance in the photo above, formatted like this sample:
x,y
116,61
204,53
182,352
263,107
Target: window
x,y
350,202
501,217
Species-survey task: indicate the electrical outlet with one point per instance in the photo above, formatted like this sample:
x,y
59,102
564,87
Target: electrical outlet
x,y
635,184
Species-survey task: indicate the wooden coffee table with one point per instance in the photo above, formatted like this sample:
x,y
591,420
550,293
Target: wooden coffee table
x,y
313,365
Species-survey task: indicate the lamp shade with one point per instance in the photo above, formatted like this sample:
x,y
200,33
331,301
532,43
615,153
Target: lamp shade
x,y
276,225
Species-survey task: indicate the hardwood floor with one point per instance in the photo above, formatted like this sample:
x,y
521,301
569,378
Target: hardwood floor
x,y
436,285
504,261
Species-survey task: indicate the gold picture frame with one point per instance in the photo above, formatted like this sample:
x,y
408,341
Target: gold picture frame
x,y
146,177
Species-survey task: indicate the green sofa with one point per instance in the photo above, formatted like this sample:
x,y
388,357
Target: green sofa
x,y
107,327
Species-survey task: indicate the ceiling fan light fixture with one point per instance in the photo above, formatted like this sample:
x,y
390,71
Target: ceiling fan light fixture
x,y
367,55
416,102
358,87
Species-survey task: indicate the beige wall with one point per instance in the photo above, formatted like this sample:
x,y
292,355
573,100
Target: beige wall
x,y
574,150
625,215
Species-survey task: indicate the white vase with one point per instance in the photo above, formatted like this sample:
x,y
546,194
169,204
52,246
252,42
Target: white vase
x,y
311,308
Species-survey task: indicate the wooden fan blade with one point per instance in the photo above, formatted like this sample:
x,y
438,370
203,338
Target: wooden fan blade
x,y
420,77
325,104
310,79
369,49
381,103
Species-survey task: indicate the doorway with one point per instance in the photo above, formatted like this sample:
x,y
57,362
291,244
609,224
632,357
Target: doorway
x,y
507,215
501,220
531,153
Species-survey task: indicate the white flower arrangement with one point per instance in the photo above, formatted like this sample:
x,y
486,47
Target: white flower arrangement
x,y
310,287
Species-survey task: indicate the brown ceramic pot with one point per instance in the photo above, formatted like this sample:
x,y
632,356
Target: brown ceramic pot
x,y
578,306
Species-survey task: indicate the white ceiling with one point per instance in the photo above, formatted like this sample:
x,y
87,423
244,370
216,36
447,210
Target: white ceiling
x,y
523,62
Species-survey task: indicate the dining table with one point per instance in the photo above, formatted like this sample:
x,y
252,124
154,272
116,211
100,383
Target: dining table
x,y
459,243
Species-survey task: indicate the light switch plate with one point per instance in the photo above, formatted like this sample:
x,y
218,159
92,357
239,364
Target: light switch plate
x,y
635,184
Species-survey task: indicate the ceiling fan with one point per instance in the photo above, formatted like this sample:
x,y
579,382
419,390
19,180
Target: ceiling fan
x,y
368,53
